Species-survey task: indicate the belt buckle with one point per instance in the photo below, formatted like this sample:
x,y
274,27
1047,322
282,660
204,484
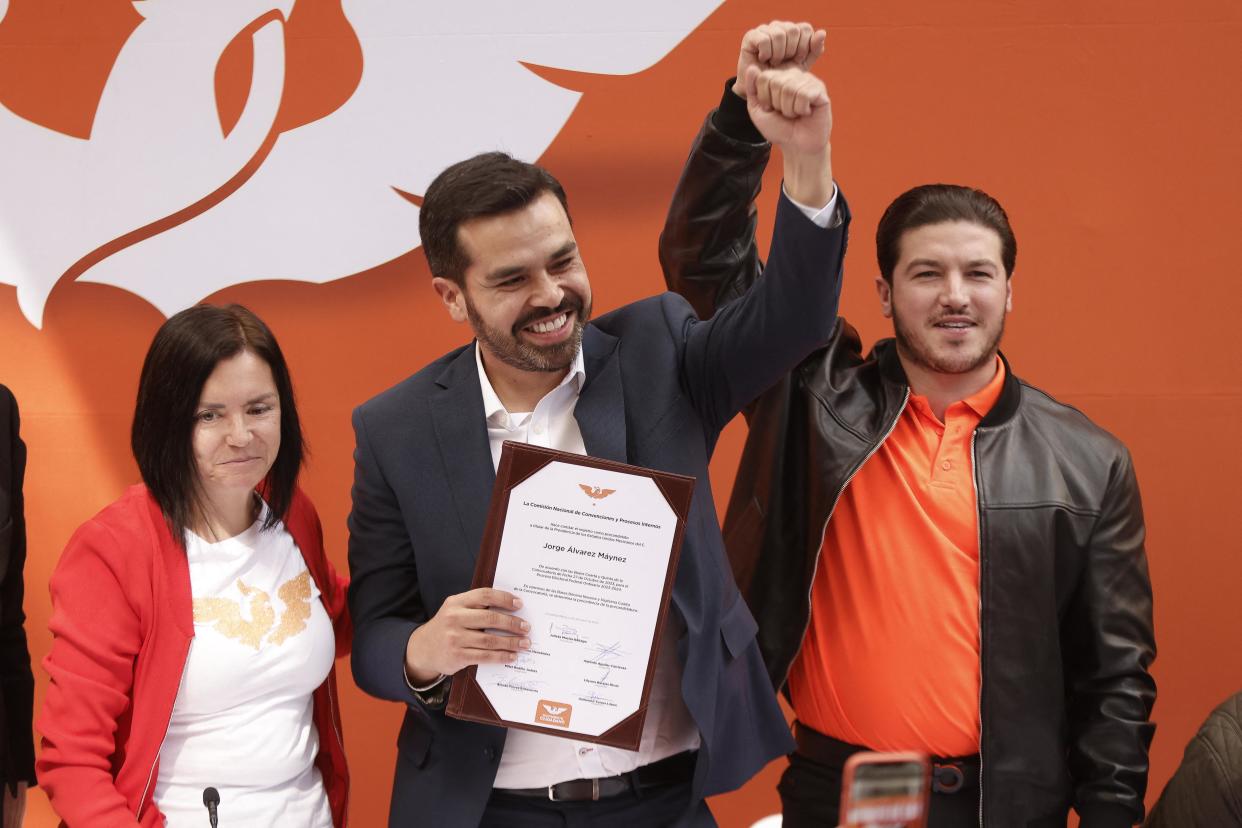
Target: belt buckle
x,y
947,778
594,791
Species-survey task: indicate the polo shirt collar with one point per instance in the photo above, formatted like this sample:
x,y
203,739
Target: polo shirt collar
x,y
981,401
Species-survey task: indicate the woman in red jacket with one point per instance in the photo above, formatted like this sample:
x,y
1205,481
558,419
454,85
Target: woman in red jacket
x,y
196,619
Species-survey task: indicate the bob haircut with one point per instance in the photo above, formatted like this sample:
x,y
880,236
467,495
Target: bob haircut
x,y
185,351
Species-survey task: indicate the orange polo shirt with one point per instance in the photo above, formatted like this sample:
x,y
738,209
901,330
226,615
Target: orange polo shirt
x,y
891,657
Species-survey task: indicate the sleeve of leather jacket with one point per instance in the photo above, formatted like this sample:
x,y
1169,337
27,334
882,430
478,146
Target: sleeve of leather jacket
x,y
707,247
17,693
1109,649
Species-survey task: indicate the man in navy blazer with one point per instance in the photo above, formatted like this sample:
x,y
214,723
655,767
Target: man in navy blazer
x,y
647,384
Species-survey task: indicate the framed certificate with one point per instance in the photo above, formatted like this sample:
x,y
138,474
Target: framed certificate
x,y
591,548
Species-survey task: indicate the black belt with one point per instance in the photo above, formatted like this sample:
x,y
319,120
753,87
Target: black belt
x,y
673,770
949,774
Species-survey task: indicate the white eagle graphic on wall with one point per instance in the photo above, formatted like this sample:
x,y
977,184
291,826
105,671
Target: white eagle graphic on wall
x,y
315,203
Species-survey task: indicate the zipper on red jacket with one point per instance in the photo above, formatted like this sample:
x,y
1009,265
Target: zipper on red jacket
x,y
819,549
151,773
974,479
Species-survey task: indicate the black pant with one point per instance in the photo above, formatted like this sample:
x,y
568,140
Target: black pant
x,y
665,806
811,798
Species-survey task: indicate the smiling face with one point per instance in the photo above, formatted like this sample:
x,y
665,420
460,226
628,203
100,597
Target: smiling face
x,y
948,297
525,291
237,428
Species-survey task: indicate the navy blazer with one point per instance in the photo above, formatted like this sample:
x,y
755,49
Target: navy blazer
x,y
660,385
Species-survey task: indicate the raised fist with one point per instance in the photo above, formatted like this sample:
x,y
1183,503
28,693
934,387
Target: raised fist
x,y
790,107
775,44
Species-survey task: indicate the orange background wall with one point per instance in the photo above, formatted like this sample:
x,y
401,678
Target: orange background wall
x,y
1110,130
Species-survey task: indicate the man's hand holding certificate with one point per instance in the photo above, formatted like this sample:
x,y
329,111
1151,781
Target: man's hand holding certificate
x,y
459,636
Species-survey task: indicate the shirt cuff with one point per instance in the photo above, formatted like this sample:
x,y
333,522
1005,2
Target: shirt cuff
x,y
435,695
821,216
425,687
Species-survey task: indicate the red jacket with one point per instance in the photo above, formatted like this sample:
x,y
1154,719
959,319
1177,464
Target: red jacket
x,y
122,623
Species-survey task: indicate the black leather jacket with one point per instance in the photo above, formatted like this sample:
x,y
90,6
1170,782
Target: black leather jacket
x,y
1065,599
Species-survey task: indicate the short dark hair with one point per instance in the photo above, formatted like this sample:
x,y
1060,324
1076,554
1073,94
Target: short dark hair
x,y
936,203
185,351
490,184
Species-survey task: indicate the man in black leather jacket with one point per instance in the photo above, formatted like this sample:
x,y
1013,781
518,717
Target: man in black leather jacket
x,y
1061,617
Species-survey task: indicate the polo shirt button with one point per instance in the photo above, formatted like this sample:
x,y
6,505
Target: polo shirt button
x,y
946,465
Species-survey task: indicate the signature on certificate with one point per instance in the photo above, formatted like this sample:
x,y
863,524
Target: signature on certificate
x,y
608,653
595,697
564,630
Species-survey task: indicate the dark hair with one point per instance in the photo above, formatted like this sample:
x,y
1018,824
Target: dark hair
x,y
490,184
936,203
185,351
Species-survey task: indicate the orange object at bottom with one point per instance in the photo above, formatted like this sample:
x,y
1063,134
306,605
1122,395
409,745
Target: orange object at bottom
x,y
885,790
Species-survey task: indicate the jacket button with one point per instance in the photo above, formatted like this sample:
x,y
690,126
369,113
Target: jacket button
x,y
490,753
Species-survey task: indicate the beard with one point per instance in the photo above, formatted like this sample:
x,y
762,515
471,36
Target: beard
x,y
919,349
509,348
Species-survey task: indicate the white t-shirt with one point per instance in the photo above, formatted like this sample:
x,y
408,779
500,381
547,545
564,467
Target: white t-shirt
x,y
242,722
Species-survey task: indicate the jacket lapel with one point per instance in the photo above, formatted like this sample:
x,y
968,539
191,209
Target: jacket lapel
x,y
601,404
461,434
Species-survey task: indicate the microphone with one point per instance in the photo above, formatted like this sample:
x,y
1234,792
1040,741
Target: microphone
x,y
211,798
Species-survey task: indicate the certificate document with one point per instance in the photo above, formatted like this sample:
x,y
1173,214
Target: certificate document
x,y
590,547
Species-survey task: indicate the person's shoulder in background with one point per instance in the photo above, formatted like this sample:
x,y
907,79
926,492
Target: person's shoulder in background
x,y
1206,790
16,678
